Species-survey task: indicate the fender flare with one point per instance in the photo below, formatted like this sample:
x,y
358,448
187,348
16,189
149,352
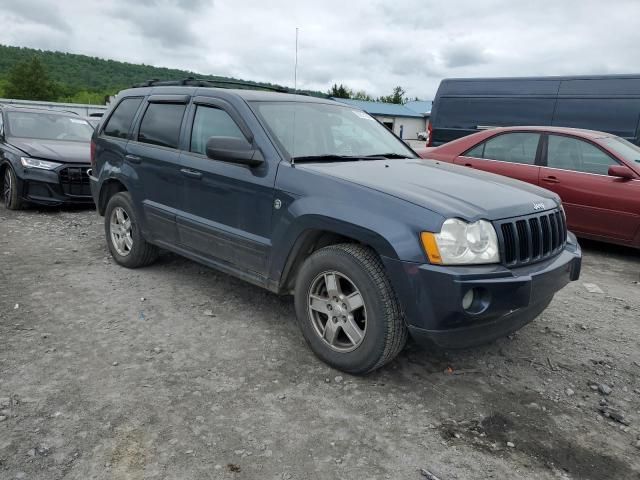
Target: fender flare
x,y
305,233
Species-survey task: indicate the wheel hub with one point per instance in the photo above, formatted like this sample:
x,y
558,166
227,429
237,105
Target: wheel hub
x,y
337,311
121,231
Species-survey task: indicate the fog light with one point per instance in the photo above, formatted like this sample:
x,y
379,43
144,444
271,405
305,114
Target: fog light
x,y
467,300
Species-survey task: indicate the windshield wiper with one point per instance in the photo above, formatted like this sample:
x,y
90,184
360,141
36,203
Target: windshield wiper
x,y
386,155
326,157
350,158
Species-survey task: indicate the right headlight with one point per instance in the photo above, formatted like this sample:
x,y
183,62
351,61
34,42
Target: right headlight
x,y
462,243
37,163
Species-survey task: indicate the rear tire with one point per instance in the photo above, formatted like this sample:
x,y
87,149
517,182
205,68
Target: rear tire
x,y
10,196
124,238
347,309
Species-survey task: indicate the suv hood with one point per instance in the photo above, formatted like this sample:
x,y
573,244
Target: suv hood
x,y
56,150
450,190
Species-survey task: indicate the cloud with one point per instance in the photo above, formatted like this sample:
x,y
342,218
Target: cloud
x,y
463,55
370,45
38,12
163,22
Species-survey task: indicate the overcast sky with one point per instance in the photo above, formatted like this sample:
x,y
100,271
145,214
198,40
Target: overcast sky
x,y
370,45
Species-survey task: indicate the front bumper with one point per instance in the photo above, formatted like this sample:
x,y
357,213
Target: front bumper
x,y
507,299
67,184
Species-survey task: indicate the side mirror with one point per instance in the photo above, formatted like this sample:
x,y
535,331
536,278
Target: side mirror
x,y
621,171
234,150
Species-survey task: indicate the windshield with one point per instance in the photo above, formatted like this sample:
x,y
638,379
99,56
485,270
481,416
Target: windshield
x,y
48,126
624,148
308,130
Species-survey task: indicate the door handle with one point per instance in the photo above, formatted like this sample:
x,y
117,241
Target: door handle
x,y
132,158
187,172
551,179
468,165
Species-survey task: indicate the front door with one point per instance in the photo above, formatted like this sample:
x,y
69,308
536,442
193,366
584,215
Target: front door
x,y
509,154
227,207
595,203
153,154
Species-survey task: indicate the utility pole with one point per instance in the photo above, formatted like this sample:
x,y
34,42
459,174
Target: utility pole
x,y
295,69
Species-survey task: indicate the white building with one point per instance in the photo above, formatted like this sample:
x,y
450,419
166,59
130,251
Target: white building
x,y
406,121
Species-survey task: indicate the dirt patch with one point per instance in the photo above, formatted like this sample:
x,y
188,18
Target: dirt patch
x,y
533,432
129,456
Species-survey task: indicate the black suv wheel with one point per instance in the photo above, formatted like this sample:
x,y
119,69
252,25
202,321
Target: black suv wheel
x,y
10,195
347,310
124,237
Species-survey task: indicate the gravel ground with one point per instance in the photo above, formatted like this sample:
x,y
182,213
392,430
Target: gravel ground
x,y
176,371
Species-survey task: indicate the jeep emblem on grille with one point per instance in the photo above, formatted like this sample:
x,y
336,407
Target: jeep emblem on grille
x,y
538,206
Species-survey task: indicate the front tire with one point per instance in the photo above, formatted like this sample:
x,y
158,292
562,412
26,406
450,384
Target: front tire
x,y
124,237
10,196
347,309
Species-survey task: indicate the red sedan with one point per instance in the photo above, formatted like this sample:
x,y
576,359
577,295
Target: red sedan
x,y
596,174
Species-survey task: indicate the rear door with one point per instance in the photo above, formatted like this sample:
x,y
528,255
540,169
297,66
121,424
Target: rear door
x,y
512,154
595,203
111,144
227,207
153,154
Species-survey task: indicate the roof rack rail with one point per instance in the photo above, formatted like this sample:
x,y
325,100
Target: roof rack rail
x,y
203,82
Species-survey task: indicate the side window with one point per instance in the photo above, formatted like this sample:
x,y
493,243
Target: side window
x,y
120,121
513,147
211,122
570,153
469,112
161,124
476,152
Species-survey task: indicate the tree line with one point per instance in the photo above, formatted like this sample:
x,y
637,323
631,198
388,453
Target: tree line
x,y
30,74
342,91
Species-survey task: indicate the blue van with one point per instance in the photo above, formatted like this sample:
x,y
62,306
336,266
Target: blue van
x,y
609,103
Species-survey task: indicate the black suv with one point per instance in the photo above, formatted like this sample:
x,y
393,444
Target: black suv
x,y
310,197
44,157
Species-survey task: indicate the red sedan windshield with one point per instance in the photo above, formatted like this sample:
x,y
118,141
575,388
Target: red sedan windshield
x,y
623,148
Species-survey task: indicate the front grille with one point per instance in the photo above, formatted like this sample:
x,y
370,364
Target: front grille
x,y
75,181
532,238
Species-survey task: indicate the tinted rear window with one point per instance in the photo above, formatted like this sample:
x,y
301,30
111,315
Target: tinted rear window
x,y
161,124
120,121
499,86
617,116
541,86
470,113
600,86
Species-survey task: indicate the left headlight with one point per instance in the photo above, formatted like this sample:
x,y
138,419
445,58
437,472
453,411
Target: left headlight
x,y
462,243
37,163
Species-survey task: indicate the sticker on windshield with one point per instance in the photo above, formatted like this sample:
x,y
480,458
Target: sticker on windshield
x,y
362,114
74,120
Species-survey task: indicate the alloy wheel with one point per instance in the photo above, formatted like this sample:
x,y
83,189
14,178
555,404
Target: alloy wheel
x,y
337,311
120,228
7,190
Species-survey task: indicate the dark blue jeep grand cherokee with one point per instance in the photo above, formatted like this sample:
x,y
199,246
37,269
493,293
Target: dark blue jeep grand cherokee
x,y
310,197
